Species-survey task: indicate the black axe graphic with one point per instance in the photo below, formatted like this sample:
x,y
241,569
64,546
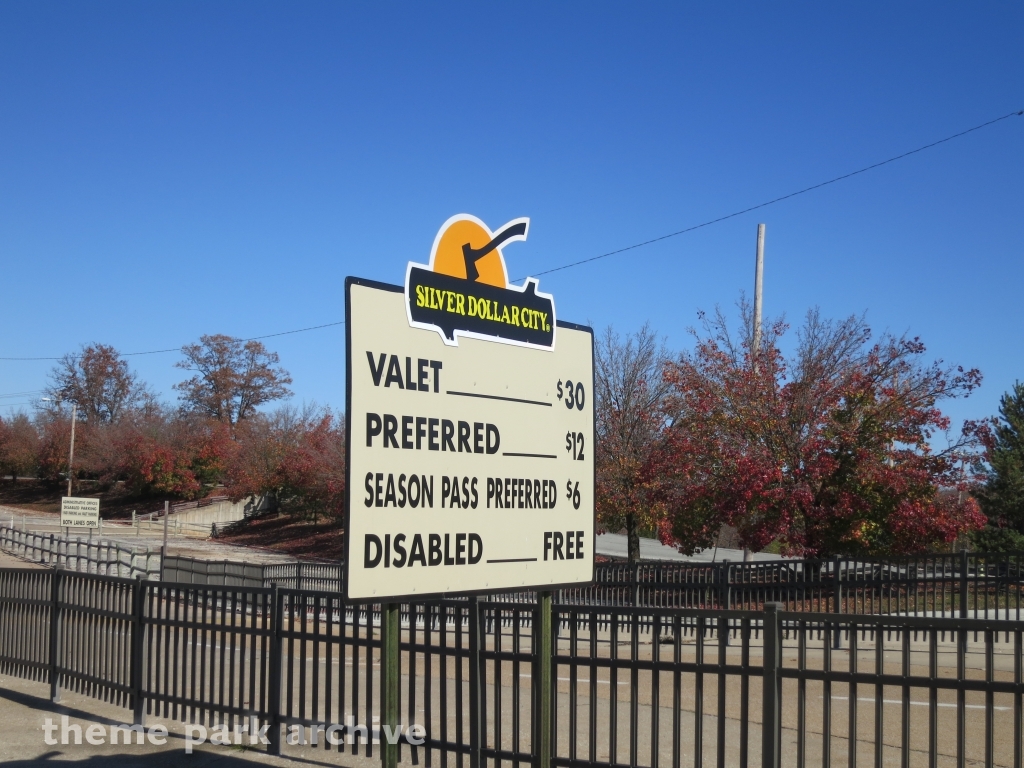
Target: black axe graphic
x,y
472,256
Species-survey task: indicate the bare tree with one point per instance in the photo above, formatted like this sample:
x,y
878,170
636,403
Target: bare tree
x,y
629,397
233,378
99,381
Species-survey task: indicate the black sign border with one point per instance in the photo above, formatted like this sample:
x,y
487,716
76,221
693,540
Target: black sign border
x,y
417,597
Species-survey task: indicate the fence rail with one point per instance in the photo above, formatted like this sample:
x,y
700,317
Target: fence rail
x,y
963,585
100,556
604,686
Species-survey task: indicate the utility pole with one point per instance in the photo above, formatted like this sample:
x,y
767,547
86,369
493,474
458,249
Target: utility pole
x,y
755,347
71,458
758,286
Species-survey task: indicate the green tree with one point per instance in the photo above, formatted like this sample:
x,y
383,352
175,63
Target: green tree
x,y
1002,496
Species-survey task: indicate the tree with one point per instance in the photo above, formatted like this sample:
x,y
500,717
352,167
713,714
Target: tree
x,y
828,452
99,381
179,454
1002,496
294,459
263,445
19,447
629,420
54,444
233,378
315,468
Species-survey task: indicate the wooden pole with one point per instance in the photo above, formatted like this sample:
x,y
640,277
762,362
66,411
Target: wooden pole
x,y
71,457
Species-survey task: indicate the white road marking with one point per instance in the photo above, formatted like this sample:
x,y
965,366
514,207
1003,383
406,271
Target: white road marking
x,y
919,703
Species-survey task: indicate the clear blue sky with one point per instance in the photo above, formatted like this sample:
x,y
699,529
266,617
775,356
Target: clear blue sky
x,y
174,169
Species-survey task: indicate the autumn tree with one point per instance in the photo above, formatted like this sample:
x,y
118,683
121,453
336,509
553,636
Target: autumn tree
x,y
99,381
295,459
315,468
232,378
19,446
832,450
54,431
179,454
1002,495
630,391
264,444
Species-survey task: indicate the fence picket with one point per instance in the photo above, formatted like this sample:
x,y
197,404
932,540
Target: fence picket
x,y
223,653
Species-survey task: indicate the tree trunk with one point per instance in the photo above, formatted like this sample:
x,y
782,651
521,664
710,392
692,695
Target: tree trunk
x,y
632,538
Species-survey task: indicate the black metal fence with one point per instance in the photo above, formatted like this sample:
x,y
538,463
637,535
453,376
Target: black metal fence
x,y
902,691
964,585
494,681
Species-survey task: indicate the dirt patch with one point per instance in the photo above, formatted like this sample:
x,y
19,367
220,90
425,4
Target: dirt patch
x,y
290,536
38,497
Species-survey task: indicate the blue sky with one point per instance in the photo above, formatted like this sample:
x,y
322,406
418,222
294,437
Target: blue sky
x,y
174,169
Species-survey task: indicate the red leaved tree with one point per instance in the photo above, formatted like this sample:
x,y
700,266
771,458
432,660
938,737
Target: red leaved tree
x,y
177,454
834,450
19,446
55,441
315,467
295,460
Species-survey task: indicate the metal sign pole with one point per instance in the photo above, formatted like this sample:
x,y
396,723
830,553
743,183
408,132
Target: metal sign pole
x,y
163,549
544,680
390,675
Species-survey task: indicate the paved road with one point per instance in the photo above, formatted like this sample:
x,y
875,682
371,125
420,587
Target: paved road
x,y
615,545
24,708
126,535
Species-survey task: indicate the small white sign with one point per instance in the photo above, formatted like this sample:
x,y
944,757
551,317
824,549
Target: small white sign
x,y
79,513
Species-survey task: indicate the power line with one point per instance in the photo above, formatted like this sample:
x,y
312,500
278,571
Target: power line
x,y
628,247
777,199
178,349
22,394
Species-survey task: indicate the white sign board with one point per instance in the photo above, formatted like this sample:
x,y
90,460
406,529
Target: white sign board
x,y
471,467
79,513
